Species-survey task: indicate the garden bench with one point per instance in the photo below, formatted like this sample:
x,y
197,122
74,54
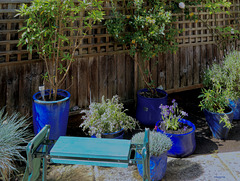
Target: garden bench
x,y
83,151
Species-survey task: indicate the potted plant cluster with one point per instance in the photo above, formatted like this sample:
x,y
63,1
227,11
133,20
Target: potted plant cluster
x,y
218,113
181,131
159,144
226,74
107,119
51,26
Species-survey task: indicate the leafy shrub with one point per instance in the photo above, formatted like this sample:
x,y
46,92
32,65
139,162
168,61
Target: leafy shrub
x,y
106,117
158,143
13,133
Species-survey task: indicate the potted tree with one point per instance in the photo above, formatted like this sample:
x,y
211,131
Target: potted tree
x,y
159,144
51,26
181,131
107,119
216,108
143,31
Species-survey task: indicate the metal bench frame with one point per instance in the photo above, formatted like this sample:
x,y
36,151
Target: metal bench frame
x,y
38,150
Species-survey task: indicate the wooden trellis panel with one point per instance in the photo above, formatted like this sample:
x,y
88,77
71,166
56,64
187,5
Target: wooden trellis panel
x,y
103,67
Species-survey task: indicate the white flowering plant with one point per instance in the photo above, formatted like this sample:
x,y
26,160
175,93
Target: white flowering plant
x,y
171,115
107,117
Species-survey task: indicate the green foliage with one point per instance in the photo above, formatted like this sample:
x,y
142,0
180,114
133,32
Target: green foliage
x,y
226,74
158,143
146,29
106,117
215,100
53,30
223,35
13,133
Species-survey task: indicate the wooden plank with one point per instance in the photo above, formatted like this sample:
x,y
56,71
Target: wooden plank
x,y
154,62
169,70
181,89
82,82
129,77
162,71
209,55
93,79
72,84
3,86
196,64
203,58
102,78
183,66
190,66
121,65
176,62
112,76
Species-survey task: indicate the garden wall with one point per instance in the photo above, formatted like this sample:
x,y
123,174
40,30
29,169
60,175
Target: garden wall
x,y
103,67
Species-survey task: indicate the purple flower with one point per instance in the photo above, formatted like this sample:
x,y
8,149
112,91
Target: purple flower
x,y
173,100
184,113
185,128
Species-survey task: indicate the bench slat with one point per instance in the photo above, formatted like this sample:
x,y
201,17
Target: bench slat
x,y
99,148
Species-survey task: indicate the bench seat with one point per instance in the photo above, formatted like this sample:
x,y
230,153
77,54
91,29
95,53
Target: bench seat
x,y
89,151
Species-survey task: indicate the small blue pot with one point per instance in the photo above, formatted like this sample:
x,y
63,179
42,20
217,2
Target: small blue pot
x,y
148,110
183,144
235,105
158,166
218,129
54,113
115,135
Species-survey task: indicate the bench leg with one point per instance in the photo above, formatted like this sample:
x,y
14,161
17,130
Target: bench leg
x,y
146,165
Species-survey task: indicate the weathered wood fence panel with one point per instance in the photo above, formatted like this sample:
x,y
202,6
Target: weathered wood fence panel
x,y
102,67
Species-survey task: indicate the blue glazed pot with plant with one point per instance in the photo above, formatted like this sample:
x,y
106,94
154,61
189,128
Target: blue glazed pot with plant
x,y
216,108
226,74
179,130
159,144
147,111
107,119
46,34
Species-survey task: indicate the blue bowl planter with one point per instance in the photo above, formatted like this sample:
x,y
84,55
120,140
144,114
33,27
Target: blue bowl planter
x,y
183,144
218,129
158,166
147,111
54,113
115,135
235,105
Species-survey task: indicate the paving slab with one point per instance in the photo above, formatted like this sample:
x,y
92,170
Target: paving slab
x,y
209,167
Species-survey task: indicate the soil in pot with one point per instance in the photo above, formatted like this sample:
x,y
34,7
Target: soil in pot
x,y
183,128
148,94
46,98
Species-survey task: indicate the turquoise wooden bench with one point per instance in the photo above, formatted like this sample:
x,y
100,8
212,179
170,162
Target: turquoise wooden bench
x,y
83,151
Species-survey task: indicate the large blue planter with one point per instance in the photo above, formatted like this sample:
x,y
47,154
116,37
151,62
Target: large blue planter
x,y
115,135
158,166
54,113
183,144
218,129
235,105
148,108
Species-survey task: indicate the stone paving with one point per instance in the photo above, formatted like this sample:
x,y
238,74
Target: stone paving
x,y
209,167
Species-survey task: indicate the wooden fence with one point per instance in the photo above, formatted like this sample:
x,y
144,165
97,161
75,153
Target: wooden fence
x,y
103,67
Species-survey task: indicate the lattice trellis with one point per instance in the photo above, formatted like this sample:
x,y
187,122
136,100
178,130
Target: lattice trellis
x,y
98,42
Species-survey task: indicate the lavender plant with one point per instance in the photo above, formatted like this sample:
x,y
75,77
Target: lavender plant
x,y
171,115
106,117
13,133
158,143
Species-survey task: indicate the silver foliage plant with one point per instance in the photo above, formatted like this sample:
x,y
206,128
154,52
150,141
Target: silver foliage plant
x,y
13,133
106,117
158,143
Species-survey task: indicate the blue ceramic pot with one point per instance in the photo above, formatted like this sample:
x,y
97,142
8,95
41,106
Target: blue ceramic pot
x,y
235,105
148,110
54,113
218,129
158,166
183,144
115,135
